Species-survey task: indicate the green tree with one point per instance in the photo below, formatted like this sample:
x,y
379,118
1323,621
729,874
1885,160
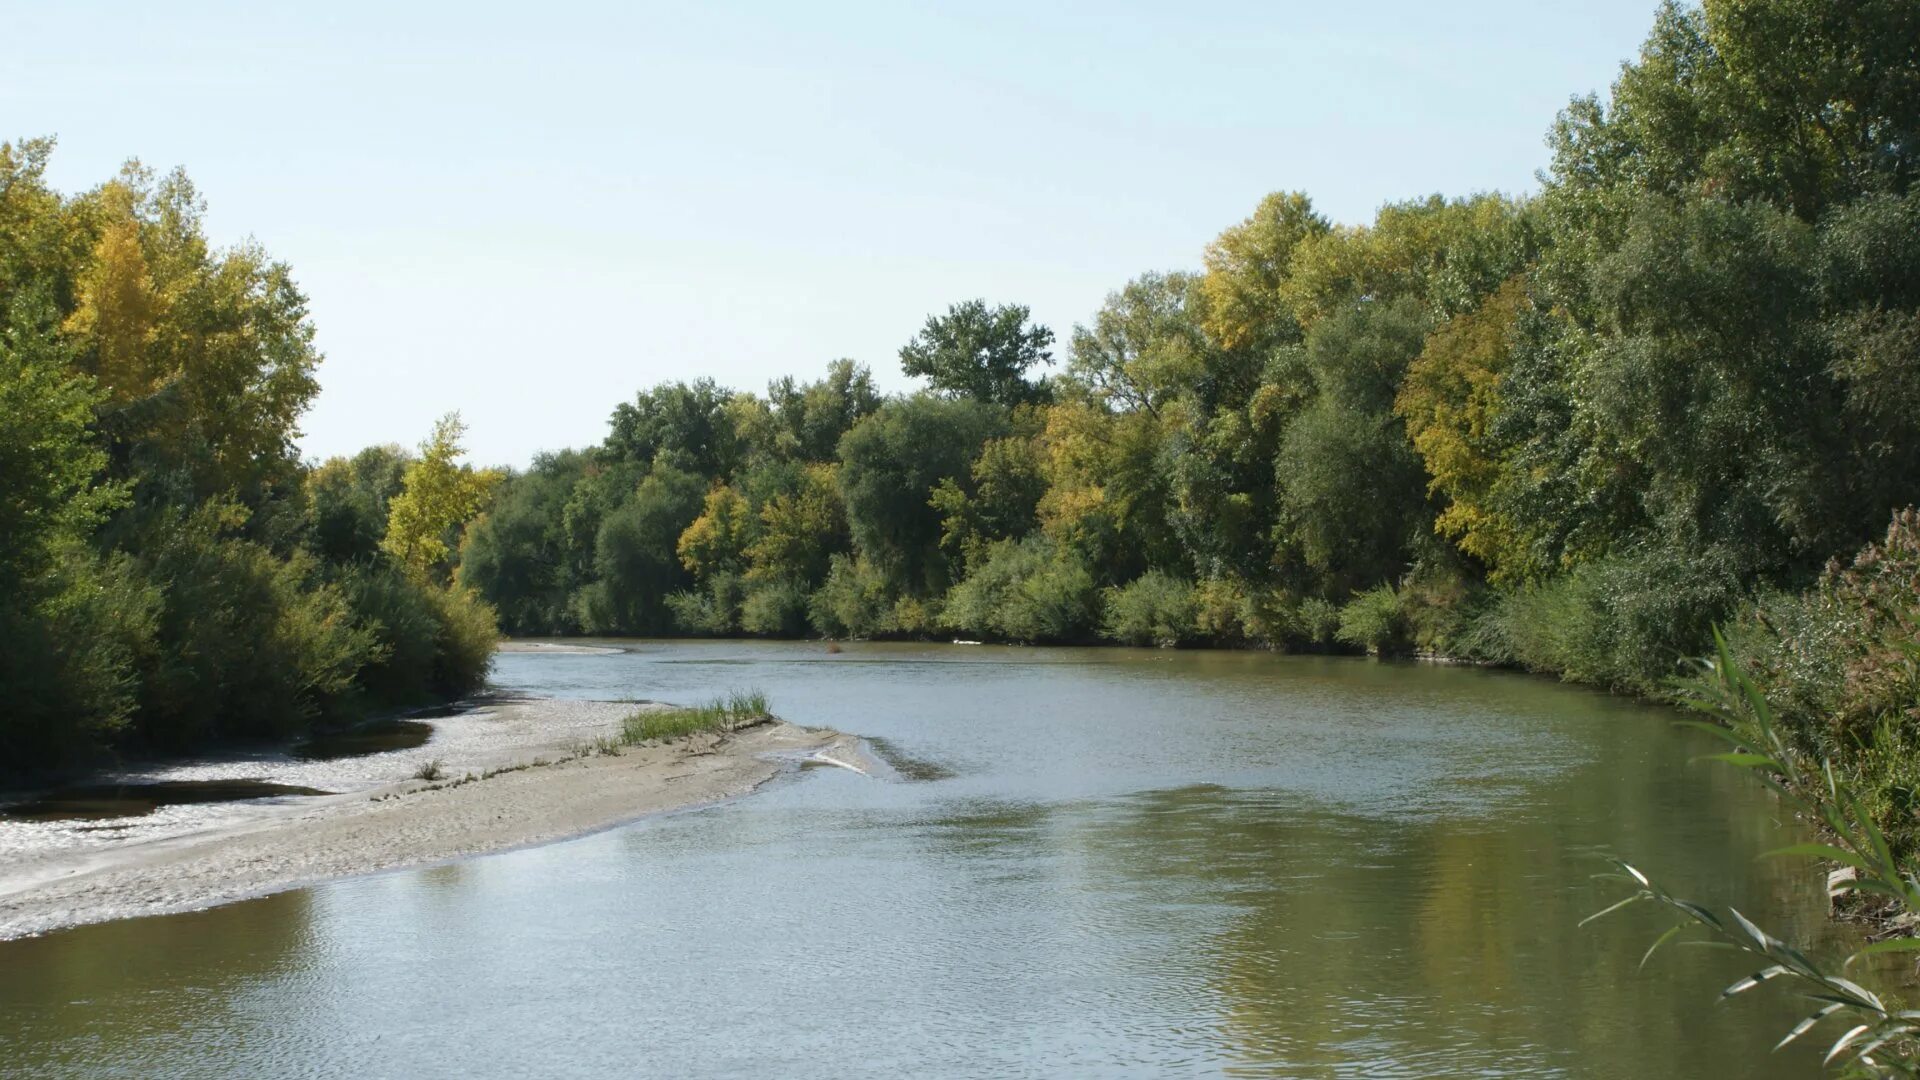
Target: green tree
x,y
982,353
438,496
811,417
685,425
348,501
890,464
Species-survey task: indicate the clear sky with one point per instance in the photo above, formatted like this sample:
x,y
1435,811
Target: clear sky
x,y
528,212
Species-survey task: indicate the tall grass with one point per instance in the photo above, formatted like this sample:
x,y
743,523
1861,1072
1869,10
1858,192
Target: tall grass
x,y
730,712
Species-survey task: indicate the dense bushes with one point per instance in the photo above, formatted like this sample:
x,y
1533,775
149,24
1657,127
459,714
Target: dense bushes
x,y
1154,609
1840,663
1028,591
170,573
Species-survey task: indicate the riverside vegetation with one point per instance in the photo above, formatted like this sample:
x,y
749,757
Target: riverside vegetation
x,y
170,572
1571,432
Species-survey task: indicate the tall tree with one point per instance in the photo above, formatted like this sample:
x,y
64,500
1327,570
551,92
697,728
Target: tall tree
x,y
438,495
981,353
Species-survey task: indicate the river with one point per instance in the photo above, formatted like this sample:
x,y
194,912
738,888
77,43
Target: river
x,y
1087,862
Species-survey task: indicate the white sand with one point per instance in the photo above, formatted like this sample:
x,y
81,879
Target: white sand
x,y
185,858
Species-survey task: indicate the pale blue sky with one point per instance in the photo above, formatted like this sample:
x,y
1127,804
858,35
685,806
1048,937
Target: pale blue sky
x,y
528,212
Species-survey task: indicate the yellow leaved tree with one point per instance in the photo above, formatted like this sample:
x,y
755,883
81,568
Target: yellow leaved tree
x,y
439,494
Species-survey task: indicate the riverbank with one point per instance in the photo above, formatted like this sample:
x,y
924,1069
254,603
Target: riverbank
x,y
510,773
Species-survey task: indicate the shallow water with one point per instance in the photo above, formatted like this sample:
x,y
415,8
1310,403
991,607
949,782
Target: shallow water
x,y
378,737
102,802
1086,863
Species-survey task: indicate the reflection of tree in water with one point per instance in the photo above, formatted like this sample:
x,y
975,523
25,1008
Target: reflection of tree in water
x,y
1452,944
1328,942
166,989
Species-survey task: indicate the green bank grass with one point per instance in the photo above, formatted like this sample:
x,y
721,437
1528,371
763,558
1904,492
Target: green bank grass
x,y
734,710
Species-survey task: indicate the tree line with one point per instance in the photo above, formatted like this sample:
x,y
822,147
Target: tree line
x,y
1572,432
170,572
1569,432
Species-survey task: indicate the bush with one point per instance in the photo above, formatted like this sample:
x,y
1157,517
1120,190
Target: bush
x,y
246,644
1840,664
1373,621
430,642
72,639
713,611
775,609
852,602
1623,622
1155,609
1031,590
1222,613
464,647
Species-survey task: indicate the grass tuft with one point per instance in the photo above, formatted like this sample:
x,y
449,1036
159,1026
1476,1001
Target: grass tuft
x,y
735,710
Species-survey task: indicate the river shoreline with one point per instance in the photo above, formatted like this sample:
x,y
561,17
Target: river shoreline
x,y
535,777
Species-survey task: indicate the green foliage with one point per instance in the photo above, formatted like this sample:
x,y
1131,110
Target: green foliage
x,y
710,611
1000,503
349,500
170,573
737,709
981,353
1154,609
635,567
1145,346
517,553
775,609
74,634
854,601
1373,620
809,419
1840,665
685,426
247,643
428,642
1030,590
438,496
890,464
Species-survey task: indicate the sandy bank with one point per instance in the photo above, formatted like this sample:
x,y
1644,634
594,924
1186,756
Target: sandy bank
x,y
557,648
68,877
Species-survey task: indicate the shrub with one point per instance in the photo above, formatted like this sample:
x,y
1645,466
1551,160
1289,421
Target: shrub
x,y
711,611
1220,611
1373,621
1316,621
1841,665
1155,609
1030,590
72,639
852,602
430,641
247,644
464,645
1623,622
775,609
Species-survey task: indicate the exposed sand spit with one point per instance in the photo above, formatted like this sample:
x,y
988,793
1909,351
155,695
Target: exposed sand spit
x,y
262,848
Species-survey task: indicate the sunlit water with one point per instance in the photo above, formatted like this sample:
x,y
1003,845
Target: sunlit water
x,y
1129,863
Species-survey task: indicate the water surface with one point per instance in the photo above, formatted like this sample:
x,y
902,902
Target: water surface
x,y
1090,863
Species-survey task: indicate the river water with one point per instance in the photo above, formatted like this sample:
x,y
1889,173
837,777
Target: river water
x,y
1098,862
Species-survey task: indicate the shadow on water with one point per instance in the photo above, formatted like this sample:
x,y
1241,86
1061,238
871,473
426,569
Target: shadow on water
x,y
908,766
375,738
98,802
